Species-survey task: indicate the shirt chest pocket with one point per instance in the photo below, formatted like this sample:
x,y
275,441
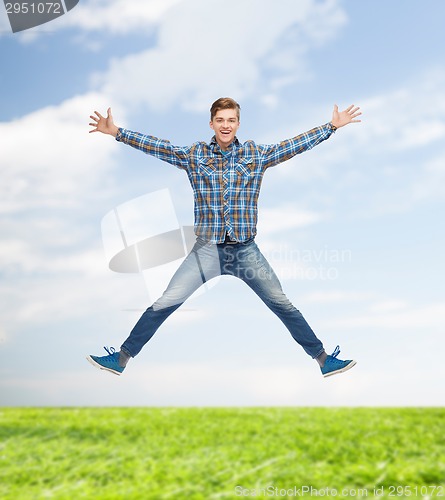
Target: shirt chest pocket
x,y
243,169
207,167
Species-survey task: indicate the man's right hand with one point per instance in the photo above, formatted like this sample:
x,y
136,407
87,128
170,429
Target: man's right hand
x,y
103,124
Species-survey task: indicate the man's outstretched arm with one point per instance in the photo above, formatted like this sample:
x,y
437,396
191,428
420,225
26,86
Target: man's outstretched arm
x,y
278,153
161,149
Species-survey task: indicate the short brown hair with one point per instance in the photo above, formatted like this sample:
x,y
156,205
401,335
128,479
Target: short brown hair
x,y
224,103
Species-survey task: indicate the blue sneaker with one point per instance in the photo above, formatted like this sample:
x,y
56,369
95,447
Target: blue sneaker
x,y
332,365
109,363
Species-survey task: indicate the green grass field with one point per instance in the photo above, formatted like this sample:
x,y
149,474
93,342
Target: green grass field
x,y
209,453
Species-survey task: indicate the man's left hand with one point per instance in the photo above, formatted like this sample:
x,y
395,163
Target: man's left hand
x,y
342,118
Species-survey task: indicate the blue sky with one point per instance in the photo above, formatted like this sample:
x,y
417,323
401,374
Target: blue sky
x,y
353,228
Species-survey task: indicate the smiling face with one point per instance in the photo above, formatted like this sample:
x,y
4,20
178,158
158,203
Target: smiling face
x,y
225,124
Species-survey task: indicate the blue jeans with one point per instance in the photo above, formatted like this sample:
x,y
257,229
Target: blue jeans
x,y
206,261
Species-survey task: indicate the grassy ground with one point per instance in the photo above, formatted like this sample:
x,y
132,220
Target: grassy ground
x,y
209,453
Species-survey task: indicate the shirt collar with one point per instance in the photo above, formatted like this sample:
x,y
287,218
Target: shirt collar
x,y
216,147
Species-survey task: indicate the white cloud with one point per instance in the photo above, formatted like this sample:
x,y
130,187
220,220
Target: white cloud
x,y
396,315
226,54
401,121
334,296
50,160
389,163
286,217
406,118
58,284
216,384
389,306
5,27
53,170
3,335
117,16
178,384
430,184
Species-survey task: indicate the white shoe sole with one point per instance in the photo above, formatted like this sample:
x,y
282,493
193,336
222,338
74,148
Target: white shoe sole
x,y
341,370
97,365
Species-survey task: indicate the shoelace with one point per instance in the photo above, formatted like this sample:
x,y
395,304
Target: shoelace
x,y
336,352
110,351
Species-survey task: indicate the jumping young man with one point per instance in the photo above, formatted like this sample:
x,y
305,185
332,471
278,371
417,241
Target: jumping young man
x,y
225,176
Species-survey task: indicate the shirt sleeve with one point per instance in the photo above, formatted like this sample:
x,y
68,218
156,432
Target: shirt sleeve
x,y
285,150
159,148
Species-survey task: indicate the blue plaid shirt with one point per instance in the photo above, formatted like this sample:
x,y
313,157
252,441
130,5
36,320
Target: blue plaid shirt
x,y
225,186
